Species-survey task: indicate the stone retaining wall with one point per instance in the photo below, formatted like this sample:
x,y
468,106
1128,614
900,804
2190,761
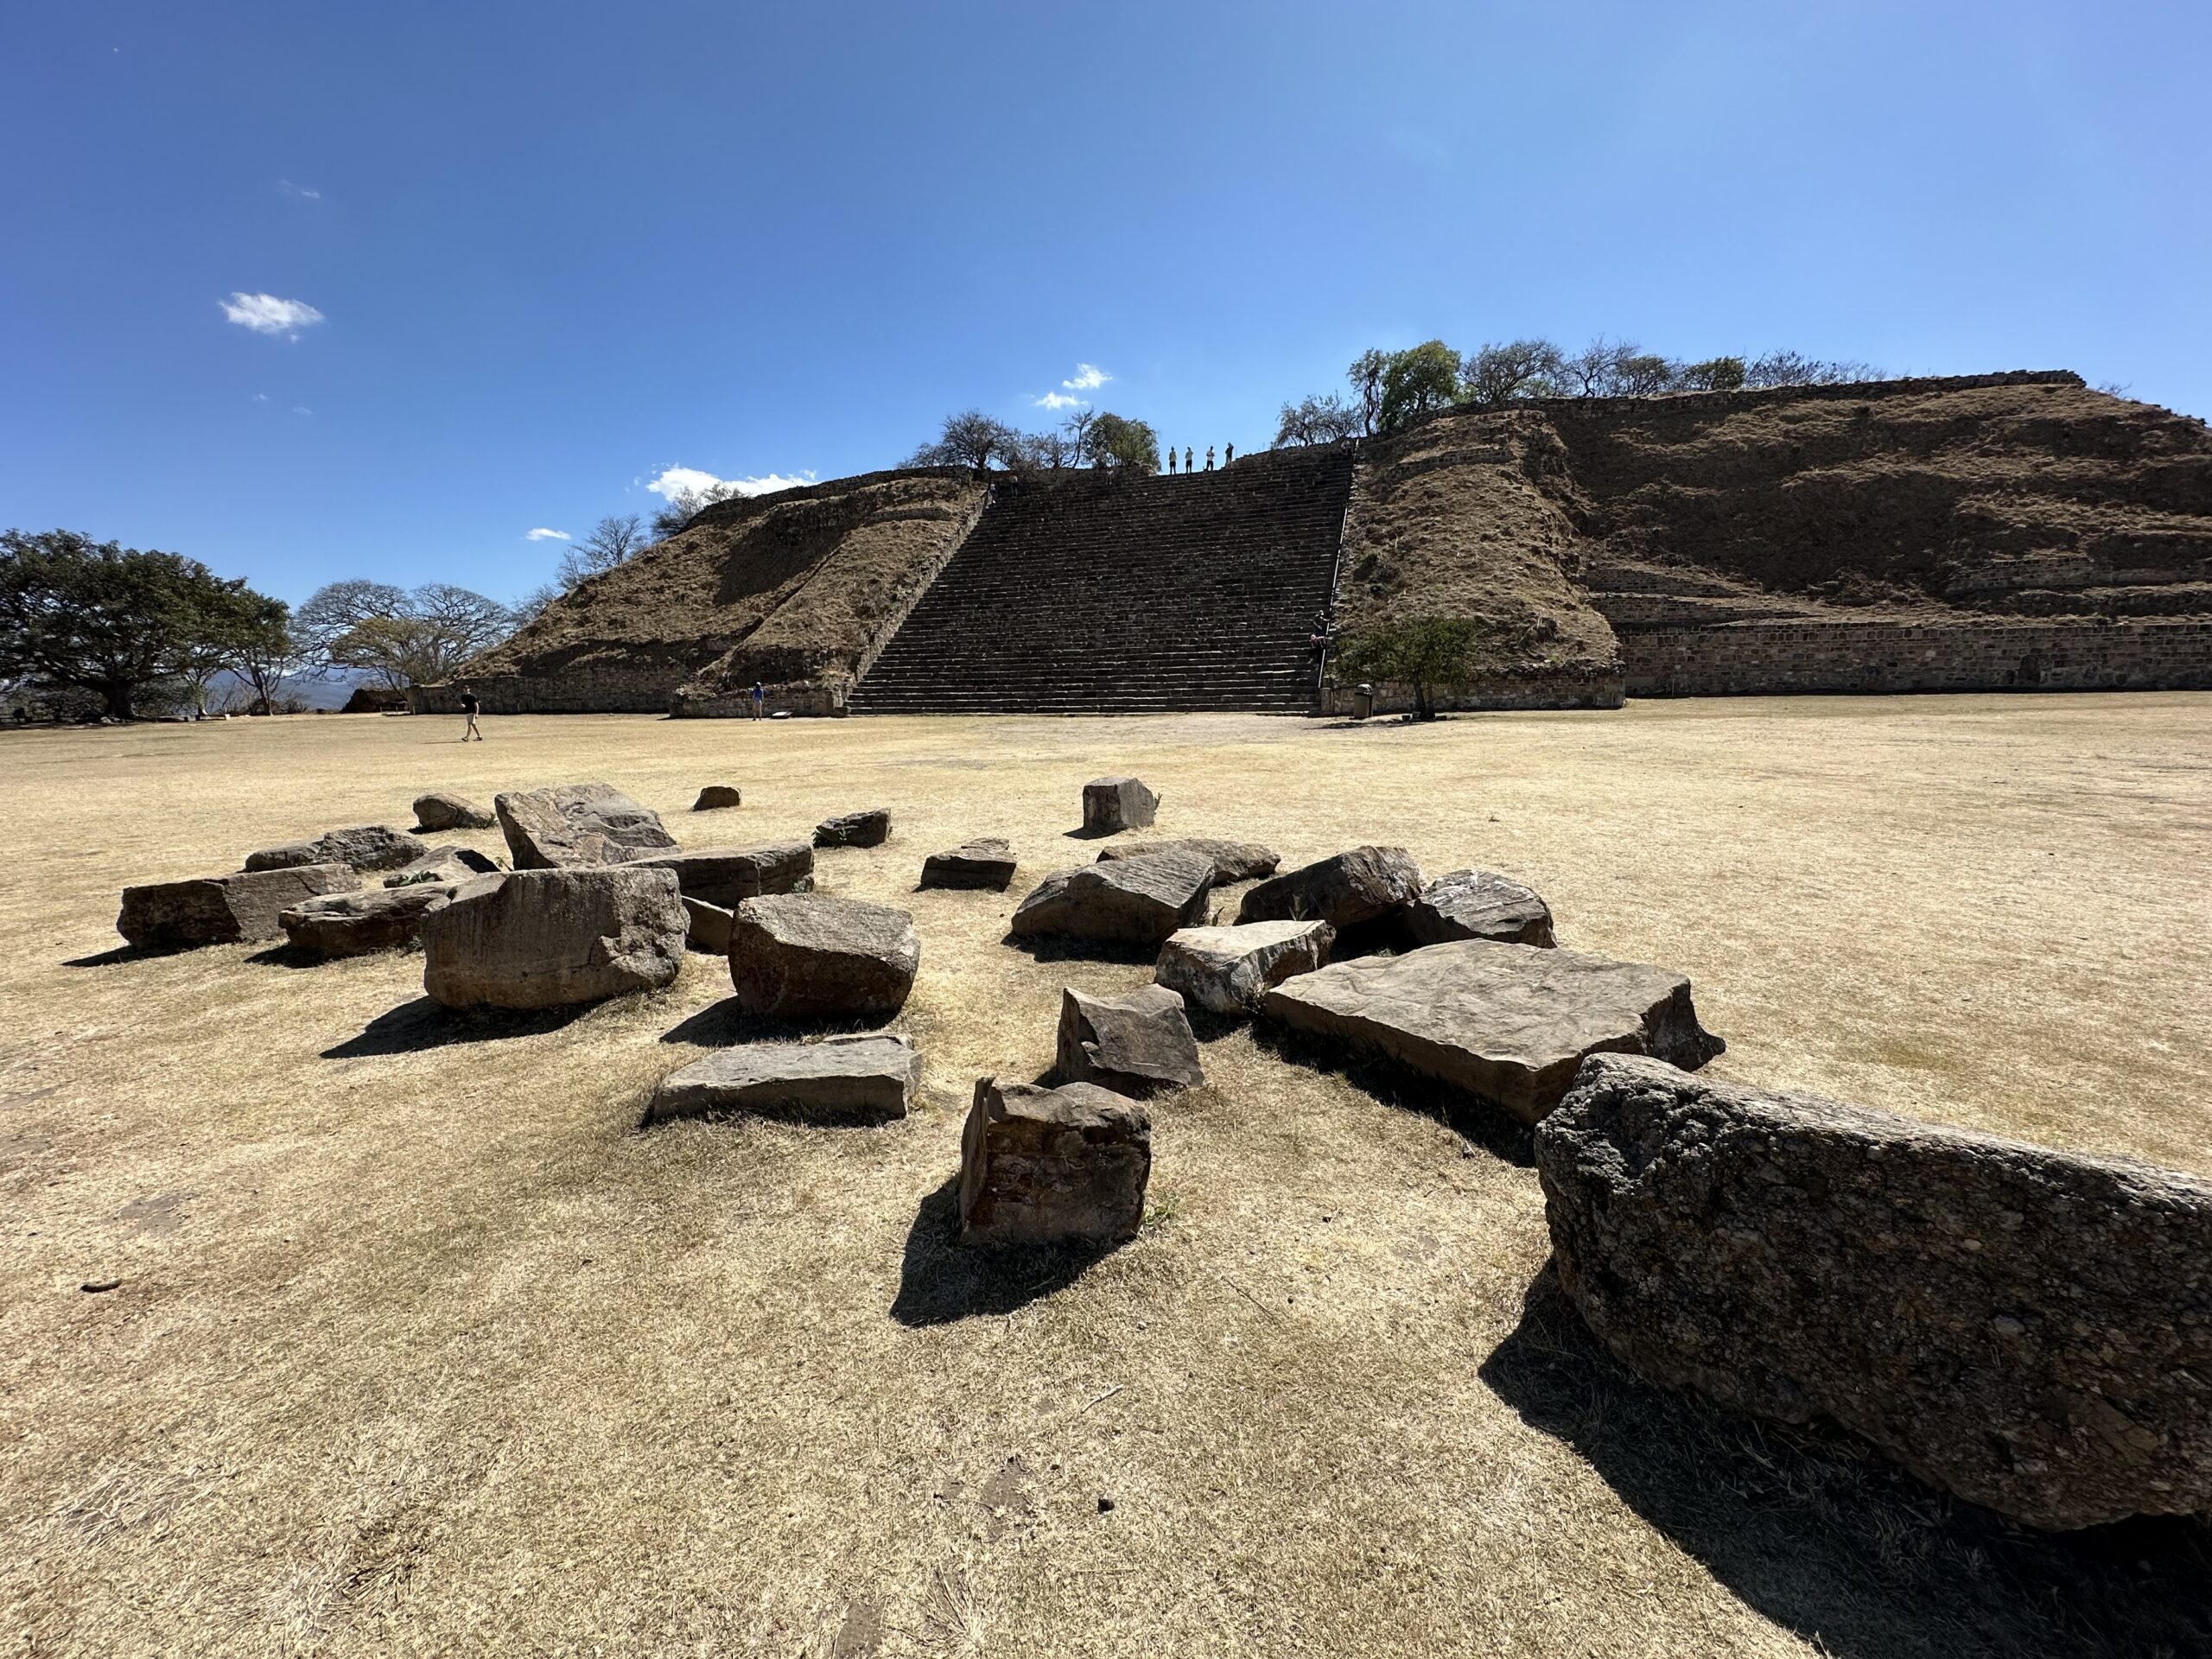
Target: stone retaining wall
x,y
1749,659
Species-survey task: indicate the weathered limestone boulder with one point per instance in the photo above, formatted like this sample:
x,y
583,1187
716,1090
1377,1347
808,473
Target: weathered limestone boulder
x,y
356,923
2031,1330
1364,894
447,864
869,828
1112,804
1509,1023
549,938
729,875
846,1080
440,811
1480,905
363,847
806,955
1226,971
988,862
230,909
709,927
1065,1165
1232,861
578,824
1133,900
715,796
1136,1043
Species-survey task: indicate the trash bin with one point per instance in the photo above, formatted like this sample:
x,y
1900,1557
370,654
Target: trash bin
x,y
1363,701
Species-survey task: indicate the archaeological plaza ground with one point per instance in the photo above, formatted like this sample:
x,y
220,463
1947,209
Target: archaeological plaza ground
x,y
411,1336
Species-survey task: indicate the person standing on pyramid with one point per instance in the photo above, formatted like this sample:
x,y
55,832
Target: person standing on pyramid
x,y
1209,457
1171,461
1229,454
1186,460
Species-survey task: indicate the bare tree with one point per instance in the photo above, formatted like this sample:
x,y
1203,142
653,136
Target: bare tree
x,y
399,637
613,540
1598,369
1643,375
1796,369
1367,374
1077,426
1317,420
1520,368
970,438
1048,449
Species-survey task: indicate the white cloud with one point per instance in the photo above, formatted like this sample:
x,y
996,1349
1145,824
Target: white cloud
x,y
260,397
1089,377
672,482
267,315
301,408
1057,400
290,189
547,535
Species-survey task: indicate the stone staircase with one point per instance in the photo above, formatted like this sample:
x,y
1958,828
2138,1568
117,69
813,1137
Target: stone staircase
x,y
1101,593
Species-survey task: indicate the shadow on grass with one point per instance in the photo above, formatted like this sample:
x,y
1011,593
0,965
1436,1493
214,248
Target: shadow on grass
x,y
1492,1127
941,1280
424,1024
1819,1533
1055,947
123,953
727,1024
287,956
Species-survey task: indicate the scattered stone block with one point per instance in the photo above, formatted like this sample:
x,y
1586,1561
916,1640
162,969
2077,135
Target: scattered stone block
x,y
1232,861
986,862
709,929
715,797
1113,804
1507,1023
358,924
1226,971
576,825
1136,1043
543,938
2027,1329
447,864
1480,905
1364,894
869,828
807,956
1065,1165
363,847
234,909
441,810
1131,900
729,875
844,1080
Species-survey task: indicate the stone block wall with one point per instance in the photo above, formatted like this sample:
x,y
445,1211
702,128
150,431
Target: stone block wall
x,y
1745,660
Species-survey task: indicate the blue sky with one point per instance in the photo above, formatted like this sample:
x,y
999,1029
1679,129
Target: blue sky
x,y
558,249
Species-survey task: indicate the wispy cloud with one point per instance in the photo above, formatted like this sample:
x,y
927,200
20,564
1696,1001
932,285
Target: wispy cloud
x,y
260,397
267,315
672,482
285,187
1089,377
301,408
1057,400
547,535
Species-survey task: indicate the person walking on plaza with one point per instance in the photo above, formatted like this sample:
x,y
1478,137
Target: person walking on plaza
x,y
469,707
759,698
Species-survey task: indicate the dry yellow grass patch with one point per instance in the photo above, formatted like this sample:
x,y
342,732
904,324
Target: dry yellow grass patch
x,y
423,1347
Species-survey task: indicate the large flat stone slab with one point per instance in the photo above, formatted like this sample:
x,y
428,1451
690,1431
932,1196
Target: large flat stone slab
x,y
1227,970
362,846
237,908
578,824
2029,1329
1480,905
845,1080
1065,1166
729,875
553,939
1509,1023
1131,901
1232,861
1136,1043
808,956
986,862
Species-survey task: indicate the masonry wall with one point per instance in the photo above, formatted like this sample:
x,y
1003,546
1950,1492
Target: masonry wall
x,y
1736,661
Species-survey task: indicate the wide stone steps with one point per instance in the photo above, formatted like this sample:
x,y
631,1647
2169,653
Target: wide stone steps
x,y
1098,593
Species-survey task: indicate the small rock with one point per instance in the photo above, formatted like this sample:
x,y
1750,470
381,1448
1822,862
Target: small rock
x,y
1133,900
95,1286
551,938
1136,1043
1480,905
986,862
240,908
1112,804
869,1079
1232,861
729,875
716,797
441,810
1105,1505
359,923
578,824
1227,970
363,847
1065,1165
807,956
868,829
709,930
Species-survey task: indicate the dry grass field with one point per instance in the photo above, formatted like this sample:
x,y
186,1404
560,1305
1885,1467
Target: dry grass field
x,y
423,1347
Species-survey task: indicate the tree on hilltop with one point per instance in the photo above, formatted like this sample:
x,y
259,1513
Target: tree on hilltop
x,y
1325,419
613,541
1118,441
1416,381
1521,368
970,438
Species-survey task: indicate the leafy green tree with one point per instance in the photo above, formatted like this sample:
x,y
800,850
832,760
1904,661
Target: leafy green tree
x,y
1118,441
266,652
1714,374
1429,653
1415,381
1520,368
113,621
